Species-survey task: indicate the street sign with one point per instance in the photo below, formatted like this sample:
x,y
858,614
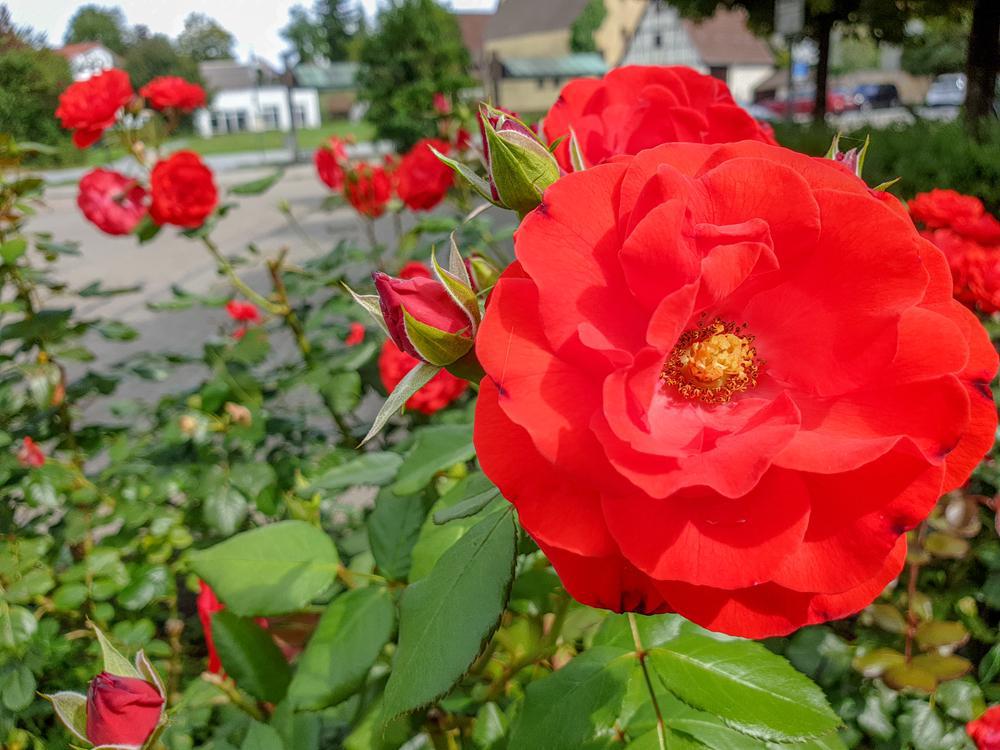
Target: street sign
x,y
789,16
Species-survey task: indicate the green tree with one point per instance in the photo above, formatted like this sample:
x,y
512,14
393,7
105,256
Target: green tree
x,y
93,23
941,47
204,39
415,51
582,31
304,34
325,32
155,55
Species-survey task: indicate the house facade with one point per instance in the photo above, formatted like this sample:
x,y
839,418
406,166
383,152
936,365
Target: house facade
x,y
250,97
87,59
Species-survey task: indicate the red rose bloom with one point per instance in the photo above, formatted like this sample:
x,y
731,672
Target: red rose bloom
x,y
112,202
975,269
985,731
243,312
171,92
355,335
636,107
330,159
415,270
700,385
183,191
208,604
29,455
89,107
442,105
441,390
122,710
941,208
369,190
422,180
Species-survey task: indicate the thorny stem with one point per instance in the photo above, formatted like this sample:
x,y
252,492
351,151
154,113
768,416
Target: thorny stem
x,y
229,271
911,595
661,731
228,687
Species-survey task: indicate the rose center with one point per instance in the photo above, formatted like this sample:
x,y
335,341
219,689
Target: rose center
x,y
712,362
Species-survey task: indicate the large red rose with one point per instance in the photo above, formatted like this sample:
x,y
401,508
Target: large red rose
x,y
114,203
422,181
89,107
724,381
183,190
637,107
941,208
330,160
443,388
985,731
368,189
171,92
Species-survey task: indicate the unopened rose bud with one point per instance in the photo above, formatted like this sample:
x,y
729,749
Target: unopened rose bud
x,y
188,424
853,159
518,164
424,320
239,414
122,710
29,455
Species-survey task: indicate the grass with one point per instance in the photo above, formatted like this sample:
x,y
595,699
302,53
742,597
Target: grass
x,y
308,139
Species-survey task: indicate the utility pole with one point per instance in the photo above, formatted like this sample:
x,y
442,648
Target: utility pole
x,y
789,20
292,139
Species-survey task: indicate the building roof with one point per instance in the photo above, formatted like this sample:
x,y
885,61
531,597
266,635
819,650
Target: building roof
x,y
220,75
522,17
78,48
568,66
338,76
473,28
725,39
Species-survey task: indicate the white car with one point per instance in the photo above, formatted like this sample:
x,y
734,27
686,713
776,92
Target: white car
x,y
947,91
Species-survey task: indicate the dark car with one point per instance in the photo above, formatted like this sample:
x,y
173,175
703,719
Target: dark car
x,y
876,96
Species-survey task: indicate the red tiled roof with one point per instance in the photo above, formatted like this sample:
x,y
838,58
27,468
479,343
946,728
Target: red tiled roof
x,y
473,28
78,48
724,39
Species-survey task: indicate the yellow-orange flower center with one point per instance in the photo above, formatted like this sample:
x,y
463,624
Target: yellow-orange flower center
x,y
712,362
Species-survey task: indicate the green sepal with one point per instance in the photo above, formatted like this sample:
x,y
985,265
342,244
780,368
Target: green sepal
x,y
435,346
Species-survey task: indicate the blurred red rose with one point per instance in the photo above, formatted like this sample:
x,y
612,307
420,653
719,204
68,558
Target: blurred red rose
x,y
638,107
442,105
183,191
331,159
941,208
122,710
89,107
443,388
368,189
701,378
415,270
112,202
29,455
355,334
208,604
985,731
422,180
975,269
171,92
463,140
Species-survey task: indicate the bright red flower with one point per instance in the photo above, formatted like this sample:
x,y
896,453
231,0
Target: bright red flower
x,y
701,378
637,107
331,160
975,269
112,202
171,92
29,455
442,105
942,208
243,312
425,300
183,191
415,270
463,140
122,710
355,335
441,390
208,604
368,189
422,180
985,731
89,107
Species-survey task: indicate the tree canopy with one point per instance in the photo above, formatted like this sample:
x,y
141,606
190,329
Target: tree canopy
x,y
204,39
93,23
324,32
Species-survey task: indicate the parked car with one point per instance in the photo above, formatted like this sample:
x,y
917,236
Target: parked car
x,y
947,91
876,96
804,101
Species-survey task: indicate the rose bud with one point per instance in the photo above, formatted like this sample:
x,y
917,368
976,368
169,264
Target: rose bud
x,y
424,318
122,710
519,166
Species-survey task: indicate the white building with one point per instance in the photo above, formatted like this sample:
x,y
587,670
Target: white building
x,y
722,46
252,98
87,59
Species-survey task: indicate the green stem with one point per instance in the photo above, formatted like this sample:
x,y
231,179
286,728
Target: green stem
x,y
661,730
251,294
228,687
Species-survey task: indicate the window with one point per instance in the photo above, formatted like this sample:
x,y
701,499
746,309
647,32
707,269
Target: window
x,y
299,115
657,41
556,81
541,83
218,121
269,117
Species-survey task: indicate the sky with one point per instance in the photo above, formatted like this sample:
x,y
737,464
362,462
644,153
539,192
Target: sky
x,y
254,23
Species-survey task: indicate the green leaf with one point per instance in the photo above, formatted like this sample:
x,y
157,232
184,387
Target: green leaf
x,y
250,656
478,184
270,571
342,391
347,641
434,449
17,688
114,330
262,737
414,380
393,528
468,507
114,662
377,469
146,230
654,630
71,708
434,345
490,727
256,187
447,618
575,708
225,510
746,685
13,249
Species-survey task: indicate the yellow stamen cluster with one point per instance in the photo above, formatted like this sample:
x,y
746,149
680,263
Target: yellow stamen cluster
x,y
712,362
